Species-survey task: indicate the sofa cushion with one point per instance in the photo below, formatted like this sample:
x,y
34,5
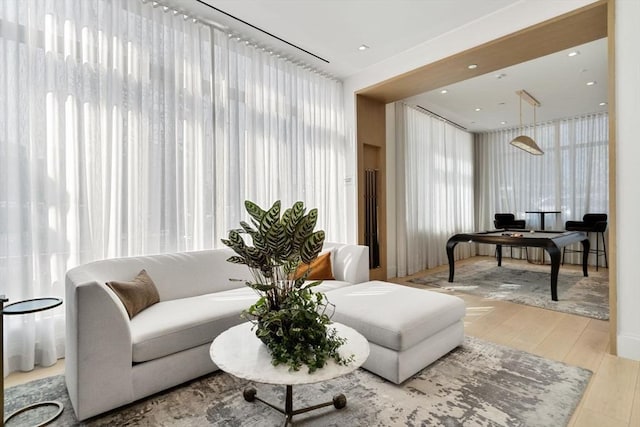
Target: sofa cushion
x,y
395,316
171,326
327,286
137,294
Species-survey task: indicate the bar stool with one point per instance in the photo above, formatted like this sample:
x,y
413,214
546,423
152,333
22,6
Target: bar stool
x,y
508,221
591,223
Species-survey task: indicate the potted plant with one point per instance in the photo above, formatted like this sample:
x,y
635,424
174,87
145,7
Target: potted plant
x,y
289,317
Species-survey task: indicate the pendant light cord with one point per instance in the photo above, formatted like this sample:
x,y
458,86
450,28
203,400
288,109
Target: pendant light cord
x,y
520,114
534,122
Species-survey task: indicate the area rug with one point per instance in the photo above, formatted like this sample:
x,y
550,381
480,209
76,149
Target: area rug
x,y
528,284
479,384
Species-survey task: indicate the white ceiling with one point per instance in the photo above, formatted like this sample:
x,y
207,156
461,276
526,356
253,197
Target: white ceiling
x,y
334,29
558,82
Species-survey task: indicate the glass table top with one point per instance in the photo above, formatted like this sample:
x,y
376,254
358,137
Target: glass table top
x,y
31,305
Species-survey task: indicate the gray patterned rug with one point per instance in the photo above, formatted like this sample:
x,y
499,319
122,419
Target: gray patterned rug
x,y
479,384
529,284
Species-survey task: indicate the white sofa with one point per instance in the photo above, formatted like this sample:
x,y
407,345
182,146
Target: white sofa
x,y
112,360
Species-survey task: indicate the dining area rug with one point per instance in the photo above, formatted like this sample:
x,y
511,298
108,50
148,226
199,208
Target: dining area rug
x,y
529,284
479,383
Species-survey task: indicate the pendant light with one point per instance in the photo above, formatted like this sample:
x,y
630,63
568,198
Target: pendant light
x,y
524,142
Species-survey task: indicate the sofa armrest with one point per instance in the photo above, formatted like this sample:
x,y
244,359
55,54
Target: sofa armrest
x,y
98,358
351,263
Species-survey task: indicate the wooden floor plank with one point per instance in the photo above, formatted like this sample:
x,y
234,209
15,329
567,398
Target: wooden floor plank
x,y
635,411
589,350
589,418
612,392
559,342
17,378
598,325
533,326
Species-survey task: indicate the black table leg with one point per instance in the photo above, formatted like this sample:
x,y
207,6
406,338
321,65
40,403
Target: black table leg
x,y
499,254
250,394
554,254
586,245
288,405
450,246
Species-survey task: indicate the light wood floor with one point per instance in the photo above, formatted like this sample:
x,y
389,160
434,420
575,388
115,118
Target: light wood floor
x,y
612,397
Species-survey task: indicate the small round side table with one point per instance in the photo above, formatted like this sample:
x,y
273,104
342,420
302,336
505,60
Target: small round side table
x,y
26,307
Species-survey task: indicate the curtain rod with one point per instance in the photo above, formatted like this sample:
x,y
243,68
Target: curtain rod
x,y
261,30
546,122
442,118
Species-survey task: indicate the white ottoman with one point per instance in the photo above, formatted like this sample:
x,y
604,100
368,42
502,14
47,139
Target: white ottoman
x,y
407,328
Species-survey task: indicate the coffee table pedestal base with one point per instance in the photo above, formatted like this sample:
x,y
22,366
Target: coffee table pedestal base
x,y
250,394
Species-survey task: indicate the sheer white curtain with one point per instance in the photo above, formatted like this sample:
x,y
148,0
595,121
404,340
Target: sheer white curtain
x,y
128,128
106,137
571,176
434,191
279,135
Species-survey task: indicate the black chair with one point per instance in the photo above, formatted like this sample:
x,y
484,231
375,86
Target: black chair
x,y
508,221
591,223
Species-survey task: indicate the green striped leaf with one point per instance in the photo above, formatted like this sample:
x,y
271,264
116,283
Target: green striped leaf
x,y
255,211
313,217
276,239
271,217
304,228
236,239
248,228
287,223
312,247
259,242
256,256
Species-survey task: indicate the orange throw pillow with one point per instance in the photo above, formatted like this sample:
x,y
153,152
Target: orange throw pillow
x,y
320,268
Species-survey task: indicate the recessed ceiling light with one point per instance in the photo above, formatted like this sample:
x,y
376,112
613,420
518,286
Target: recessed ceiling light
x,y
443,91
574,53
503,122
591,83
472,66
478,109
602,104
363,47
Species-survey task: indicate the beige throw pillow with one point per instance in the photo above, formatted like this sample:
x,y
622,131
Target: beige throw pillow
x,y
136,295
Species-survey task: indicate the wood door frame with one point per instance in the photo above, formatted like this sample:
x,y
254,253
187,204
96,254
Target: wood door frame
x,y
589,23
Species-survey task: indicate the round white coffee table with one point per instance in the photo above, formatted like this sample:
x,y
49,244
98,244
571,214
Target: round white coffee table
x,y
240,353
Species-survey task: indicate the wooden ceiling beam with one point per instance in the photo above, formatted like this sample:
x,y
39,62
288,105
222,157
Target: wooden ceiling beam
x,y
562,32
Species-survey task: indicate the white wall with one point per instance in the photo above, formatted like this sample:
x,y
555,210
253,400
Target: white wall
x,y
627,174
520,15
